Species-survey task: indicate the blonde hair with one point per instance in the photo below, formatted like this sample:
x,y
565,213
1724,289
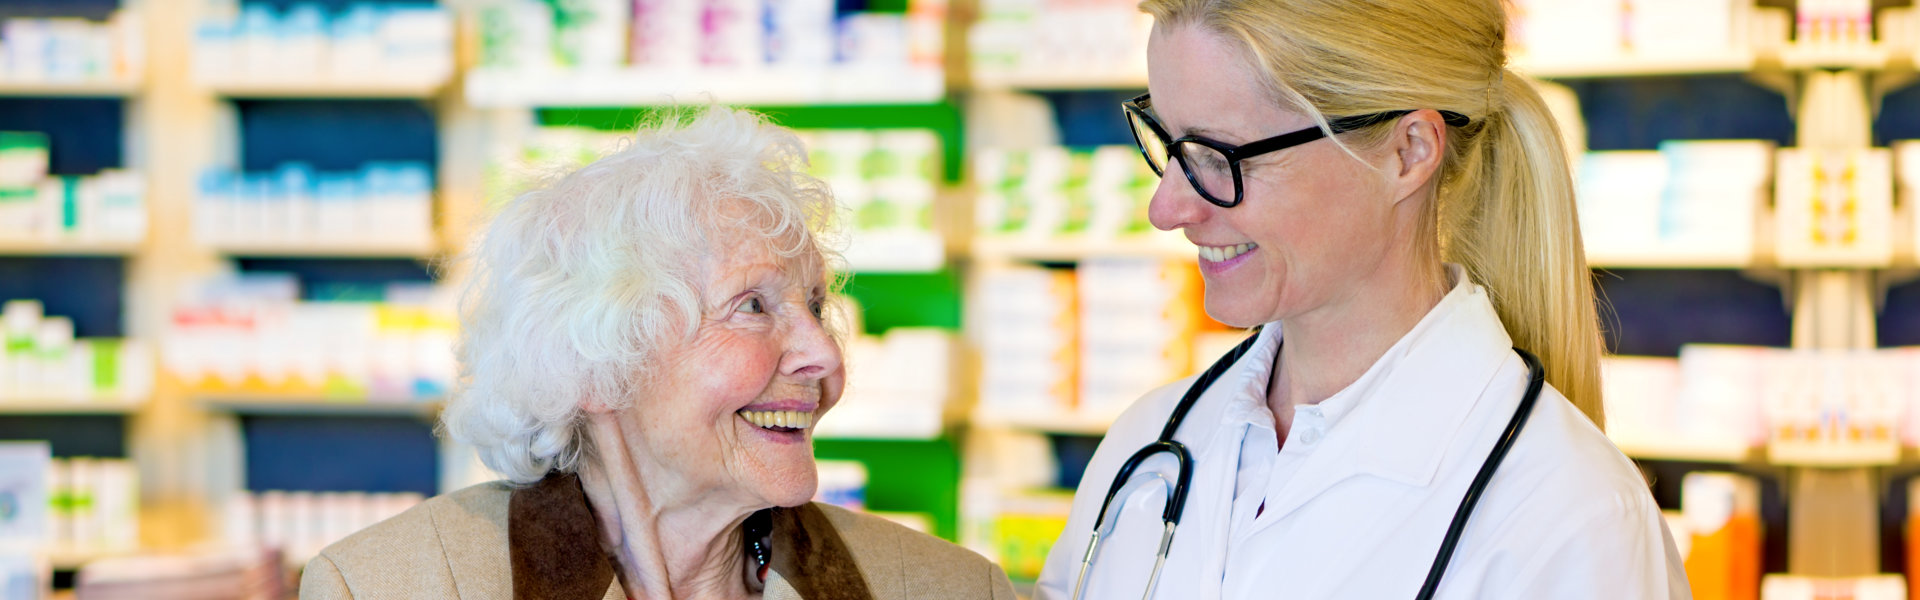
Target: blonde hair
x,y
1505,206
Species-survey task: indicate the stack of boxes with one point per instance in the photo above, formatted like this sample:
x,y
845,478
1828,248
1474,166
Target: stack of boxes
x,y
299,524
42,361
887,179
251,335
1032,39
381,204
94,506
369,43
722,35
898,386
1586,31
1697,199
72,50
1808,407
1138,319
1083,344
1055,192
35,206
1834,26
1029,346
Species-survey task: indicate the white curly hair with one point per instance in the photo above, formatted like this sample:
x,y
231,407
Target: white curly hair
x,y
578,284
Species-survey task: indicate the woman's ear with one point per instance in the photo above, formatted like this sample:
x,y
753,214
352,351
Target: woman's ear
x,y
1418,143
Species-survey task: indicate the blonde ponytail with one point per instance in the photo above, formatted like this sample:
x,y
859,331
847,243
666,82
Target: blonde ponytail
x,y
1520,237
1505,207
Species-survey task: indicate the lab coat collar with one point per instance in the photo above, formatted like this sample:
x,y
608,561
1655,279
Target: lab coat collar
x,y
1405,411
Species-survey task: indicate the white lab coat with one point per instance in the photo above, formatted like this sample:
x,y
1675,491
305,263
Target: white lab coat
x,y
1363,501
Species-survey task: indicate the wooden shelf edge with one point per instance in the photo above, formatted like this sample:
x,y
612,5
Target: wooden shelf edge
x,y
374,89
327,249
72,406
106,88
1076,249
268,404
1050,423
1648,449
511,88
26,247
67,559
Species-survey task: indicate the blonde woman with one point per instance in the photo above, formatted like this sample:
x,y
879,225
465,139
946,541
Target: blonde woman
x,y
1419,414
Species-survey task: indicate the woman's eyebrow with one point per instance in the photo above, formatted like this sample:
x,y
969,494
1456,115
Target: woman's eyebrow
x,y
1208,133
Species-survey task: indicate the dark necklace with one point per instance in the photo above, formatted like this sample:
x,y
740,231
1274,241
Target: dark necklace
x,y
759,541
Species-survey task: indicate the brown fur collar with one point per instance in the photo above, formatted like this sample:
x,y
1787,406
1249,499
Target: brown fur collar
x,y
553,542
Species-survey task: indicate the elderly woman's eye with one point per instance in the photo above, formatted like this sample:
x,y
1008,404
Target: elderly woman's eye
x,y
752,305
818,308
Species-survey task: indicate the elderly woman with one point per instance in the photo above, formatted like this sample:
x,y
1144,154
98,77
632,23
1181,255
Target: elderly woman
x,y
644,356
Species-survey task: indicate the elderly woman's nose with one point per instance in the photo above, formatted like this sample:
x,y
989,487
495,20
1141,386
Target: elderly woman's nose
x,y
1175,203
811,351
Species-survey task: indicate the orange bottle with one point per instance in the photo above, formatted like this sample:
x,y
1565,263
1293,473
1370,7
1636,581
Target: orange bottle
x,y
1723,512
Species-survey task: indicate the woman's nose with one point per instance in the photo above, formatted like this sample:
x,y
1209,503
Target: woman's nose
x,y
812,352
1175,203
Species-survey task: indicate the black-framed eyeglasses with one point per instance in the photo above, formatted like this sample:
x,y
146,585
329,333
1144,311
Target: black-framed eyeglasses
x,y
1213,167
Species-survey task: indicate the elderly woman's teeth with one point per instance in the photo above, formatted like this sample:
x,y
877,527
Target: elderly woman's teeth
x,y
781,419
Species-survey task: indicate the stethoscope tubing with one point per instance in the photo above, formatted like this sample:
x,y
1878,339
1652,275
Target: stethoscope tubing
x,y
1536,379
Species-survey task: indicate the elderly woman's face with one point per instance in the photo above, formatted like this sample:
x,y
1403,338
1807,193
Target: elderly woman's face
x,y
1317,220
733,408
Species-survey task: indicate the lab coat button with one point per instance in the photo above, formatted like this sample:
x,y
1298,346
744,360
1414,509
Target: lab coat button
x,y
1310,437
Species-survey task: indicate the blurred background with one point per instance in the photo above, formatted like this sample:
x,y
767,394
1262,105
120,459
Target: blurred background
x,y
225,225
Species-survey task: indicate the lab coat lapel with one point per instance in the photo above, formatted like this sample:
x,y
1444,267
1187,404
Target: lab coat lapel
x,y
1402,428
1213,433
1210,526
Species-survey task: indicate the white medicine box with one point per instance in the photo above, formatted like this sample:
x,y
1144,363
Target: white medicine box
x,y
1834,208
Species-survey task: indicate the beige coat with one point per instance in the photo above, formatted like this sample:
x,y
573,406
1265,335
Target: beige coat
x,y
456,546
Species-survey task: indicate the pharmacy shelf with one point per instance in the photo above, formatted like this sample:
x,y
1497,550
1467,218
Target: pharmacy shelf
x,y
1036,79
1802,57
106,88
95,405
1060,79
327,249
506,88
1669,448
1792,57
912,425
1170,247
1632,65
1655,259
1834,455
69,559
896,252
266,404
29,247
1044,421
393,88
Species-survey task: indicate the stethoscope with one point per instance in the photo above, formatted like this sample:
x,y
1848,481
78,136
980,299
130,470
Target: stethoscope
x,y
1177,496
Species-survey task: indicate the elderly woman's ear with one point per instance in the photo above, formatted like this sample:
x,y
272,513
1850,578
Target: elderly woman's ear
x,y
593,405
696,490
